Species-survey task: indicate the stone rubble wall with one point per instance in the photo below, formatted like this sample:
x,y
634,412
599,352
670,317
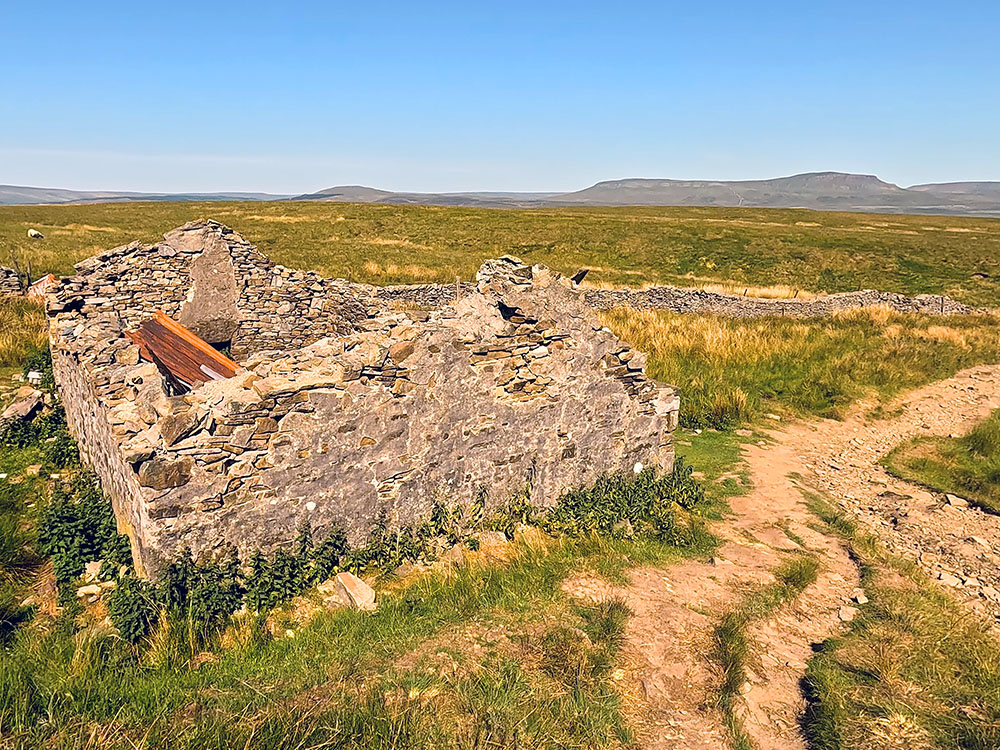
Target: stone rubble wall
x,y
681,300
685,300
358,410
8,283
214,282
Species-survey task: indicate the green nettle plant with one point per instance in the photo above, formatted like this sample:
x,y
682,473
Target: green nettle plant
x,y
134,608
78,526
204,595
40,360
646,505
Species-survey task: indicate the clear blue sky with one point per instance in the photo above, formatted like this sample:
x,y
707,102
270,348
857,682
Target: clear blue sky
x,y
293,97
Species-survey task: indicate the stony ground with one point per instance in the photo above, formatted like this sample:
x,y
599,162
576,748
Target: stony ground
x,y
670,680
957,544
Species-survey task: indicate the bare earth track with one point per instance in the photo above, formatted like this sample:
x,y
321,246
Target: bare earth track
x,y
670,681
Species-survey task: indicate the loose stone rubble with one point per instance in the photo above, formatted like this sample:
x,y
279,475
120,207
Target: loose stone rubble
x,y
9,284
347,408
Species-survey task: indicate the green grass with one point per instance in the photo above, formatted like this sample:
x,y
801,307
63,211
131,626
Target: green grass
x,y
735,371
720,465
916,669
735,650
345,680
968,466
21,500
810,250
23,330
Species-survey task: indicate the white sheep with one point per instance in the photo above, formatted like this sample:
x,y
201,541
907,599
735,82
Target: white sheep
x,y
35,234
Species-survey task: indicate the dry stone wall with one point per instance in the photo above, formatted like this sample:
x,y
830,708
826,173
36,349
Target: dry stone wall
x,y
681,300
8,282
685,300
347,407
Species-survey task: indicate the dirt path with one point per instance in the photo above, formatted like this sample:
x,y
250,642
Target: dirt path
x,y
958,545
670,682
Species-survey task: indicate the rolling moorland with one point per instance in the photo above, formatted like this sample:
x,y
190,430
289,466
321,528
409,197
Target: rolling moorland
x,y
502,649
382,244
826,191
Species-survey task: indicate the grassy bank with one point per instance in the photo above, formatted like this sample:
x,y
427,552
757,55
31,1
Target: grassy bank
x,y
968,466
916,670
494,653
734,371
810,250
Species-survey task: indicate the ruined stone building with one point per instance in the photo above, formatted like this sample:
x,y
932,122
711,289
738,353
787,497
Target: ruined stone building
x,y
342,403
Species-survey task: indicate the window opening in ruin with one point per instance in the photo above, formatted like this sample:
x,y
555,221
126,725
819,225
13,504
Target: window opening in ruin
x,y
224,348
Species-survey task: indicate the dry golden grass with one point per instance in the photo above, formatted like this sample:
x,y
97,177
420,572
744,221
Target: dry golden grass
x,y
23,329
730,371
412,271
776,291
772,252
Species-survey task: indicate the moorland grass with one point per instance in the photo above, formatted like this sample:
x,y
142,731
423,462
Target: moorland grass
x,y
797,249
345,678
968,466
916,669
735,371
23,330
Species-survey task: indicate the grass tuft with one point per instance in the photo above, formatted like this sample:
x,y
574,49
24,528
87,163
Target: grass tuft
x,y
916,669
968,466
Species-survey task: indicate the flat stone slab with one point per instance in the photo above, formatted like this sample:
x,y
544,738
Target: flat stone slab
x,y
355,591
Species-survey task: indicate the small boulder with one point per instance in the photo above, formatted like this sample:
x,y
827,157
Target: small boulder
x,y
847,614
92,570
331,592
949,580
91,589
355,591
161,474
956,501
174,427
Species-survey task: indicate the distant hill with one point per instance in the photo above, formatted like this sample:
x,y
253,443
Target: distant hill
x,y
984,189
17,195
829,191
361,194
833,190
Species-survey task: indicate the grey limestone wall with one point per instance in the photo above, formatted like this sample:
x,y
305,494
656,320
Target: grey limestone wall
x,y
214,282
700,301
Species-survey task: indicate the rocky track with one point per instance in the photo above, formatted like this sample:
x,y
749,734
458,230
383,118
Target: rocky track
x,y
670,682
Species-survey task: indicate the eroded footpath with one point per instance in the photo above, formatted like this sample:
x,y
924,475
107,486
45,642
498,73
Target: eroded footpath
x,y
671,682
